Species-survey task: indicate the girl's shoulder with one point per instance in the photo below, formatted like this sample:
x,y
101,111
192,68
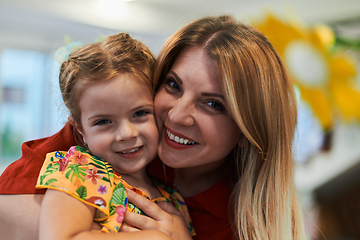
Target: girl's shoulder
x,y
76,155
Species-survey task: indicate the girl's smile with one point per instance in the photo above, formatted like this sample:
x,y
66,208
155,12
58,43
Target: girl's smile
x,y
118,123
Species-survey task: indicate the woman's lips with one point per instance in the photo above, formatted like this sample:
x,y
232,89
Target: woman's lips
x,y
178,141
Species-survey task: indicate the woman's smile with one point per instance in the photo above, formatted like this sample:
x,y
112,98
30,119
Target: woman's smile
x,y
198,130
178,141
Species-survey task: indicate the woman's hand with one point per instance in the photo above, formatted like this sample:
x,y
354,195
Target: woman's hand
x,y
162,216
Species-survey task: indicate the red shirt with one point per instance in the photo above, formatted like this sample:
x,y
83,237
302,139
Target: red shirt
x,y
208,210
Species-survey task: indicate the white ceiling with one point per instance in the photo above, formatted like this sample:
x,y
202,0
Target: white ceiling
x,y
42,24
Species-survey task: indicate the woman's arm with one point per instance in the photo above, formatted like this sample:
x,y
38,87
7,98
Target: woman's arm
x,y
162,216
19,216
64,217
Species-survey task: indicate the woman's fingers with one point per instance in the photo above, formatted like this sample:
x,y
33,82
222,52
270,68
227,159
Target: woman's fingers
x,y
127,228
150,208
164,218
169,208
140,221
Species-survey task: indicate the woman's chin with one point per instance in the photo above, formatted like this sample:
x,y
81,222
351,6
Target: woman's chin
x,y
169,157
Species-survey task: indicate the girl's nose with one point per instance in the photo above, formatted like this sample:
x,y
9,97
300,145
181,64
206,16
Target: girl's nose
x,y
182,112
126,131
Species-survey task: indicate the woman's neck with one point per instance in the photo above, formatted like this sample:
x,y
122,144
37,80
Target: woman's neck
x,y
192,181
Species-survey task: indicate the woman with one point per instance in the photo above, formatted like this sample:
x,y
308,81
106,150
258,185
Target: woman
x,y
226,110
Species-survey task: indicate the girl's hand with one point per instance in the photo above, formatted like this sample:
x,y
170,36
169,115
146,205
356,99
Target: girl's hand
x,y
162,216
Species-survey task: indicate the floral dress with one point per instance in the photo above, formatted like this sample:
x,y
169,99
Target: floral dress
x,y
93,181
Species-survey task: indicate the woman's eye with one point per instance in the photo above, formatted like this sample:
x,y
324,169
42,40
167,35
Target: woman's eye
x,y
172,84
216,105
102,122
141,113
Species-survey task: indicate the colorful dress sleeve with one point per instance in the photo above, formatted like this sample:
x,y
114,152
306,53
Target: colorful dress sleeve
x,y
88,179
93,181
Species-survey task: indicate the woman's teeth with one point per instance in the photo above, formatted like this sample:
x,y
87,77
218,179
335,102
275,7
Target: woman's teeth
x,y
179,139
132,150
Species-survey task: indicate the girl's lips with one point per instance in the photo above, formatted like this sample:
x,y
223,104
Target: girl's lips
x,y
131,153
179,142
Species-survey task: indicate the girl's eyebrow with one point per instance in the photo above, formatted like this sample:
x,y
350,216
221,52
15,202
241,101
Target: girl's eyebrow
x,y
143,106
98,116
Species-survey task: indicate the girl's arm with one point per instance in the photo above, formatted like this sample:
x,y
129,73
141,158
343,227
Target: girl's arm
x,y
65,218
162,216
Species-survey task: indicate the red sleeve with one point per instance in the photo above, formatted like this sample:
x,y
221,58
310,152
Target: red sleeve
x,y
20,177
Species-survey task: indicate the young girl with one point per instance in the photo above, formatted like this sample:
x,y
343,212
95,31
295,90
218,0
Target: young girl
x,y
108,91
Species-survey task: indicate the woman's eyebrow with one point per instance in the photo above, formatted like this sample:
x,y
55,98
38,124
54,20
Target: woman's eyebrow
x,y
176,76
208,94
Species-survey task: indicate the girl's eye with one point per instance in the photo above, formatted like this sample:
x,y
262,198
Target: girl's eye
x,y
172,84
102,122
216,105
141,113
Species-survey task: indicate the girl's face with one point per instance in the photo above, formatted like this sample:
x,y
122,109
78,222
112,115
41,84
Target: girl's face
x,y
195,126
118,122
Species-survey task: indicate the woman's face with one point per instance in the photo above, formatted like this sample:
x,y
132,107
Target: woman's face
x,y
195,126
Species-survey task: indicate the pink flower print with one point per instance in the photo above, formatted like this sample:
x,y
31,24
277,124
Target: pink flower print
x,y
79,158
120,211
102,189
93,175
72,150
63,163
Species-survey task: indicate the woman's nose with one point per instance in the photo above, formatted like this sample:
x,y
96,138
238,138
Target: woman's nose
x,y
182,112
126,131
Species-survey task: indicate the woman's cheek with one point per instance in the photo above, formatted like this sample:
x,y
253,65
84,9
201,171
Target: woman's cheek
x,y
160,126
158,111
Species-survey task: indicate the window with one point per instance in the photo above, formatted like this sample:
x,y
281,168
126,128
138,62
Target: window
x,y
30,101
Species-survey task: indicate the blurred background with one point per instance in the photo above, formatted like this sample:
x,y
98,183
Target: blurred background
x,y
319,41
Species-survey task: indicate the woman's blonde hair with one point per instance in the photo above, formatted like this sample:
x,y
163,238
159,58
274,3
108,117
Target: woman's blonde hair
x,y
102,61
261,100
